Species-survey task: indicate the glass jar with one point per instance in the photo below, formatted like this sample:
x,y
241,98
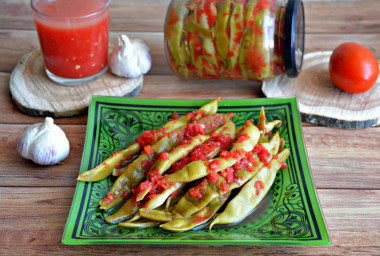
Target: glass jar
x,y
235,39
73,36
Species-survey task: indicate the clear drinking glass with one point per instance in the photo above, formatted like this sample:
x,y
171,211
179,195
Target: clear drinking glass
x,y
73,36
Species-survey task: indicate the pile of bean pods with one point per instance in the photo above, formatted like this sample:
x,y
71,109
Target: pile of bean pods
x,y
179,176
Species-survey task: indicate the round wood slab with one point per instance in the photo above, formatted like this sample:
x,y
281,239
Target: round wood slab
x,y
35,94
320,102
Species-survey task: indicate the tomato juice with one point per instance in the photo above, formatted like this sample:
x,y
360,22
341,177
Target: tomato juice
x,y
73,35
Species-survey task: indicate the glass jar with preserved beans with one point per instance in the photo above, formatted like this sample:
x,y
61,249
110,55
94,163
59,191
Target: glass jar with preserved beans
x,y
235,39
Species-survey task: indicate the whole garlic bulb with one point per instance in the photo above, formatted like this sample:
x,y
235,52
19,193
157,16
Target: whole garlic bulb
x,y
131,58
44,143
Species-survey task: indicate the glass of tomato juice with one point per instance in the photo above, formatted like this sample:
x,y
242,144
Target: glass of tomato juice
x,y
73,36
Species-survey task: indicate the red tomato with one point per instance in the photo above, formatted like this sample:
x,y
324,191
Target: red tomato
x,y
353,68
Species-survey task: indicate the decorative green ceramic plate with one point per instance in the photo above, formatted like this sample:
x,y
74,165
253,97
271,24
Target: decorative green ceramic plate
x,y
289,215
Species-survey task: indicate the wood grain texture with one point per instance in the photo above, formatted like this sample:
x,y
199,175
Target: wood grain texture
x,y
36,95
335,161
45,211
19,172
321,102
155,86
335,16
16,43
344,158
11,113
345,163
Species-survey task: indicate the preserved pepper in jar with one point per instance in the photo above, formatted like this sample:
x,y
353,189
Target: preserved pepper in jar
x,y
235,39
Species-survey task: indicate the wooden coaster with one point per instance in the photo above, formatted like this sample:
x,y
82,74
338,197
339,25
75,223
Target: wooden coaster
x,y
321,102
35,94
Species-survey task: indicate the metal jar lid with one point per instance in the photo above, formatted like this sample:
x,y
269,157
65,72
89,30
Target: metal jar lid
x,y
294,37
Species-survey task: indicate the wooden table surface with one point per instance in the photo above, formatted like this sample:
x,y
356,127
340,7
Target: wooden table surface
x,y
35,200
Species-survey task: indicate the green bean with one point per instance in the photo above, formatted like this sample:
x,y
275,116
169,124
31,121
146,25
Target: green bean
x,y
182,151
261,62
251,193
105,169
125,212
199,169
209,190
156,215
136,171
197,219
142,223
248,39
236,28
210,57
221,36
226,130
174,33
176,154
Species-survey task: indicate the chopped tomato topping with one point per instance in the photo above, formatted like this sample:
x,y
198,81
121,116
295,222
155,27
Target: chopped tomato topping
x,y
164,156
226,155
213,176
259,185
228,174
179,165
262,153
247,122
224,139
145,138
243,137
193,115
142,188
193,130
146,164
148,149
224,187
214,165
175,115
109,198
284,166
118,165
196,191
202,152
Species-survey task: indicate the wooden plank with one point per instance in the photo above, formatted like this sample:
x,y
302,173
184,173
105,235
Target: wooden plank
x,y
17,171
356,161
344,158
37,95
33,220
342,16
16,43
334,16
11,114
321,102
132,15
154,87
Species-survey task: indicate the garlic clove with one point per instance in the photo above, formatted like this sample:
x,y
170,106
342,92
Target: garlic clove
x,y
131,58
44,143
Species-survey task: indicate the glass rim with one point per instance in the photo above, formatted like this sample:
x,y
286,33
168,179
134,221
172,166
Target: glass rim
x,y
32,2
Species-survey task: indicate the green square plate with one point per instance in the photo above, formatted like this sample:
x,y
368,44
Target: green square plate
x,y
289,215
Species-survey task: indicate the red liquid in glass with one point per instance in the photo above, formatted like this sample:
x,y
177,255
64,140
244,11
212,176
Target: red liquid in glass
x,y
73,36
